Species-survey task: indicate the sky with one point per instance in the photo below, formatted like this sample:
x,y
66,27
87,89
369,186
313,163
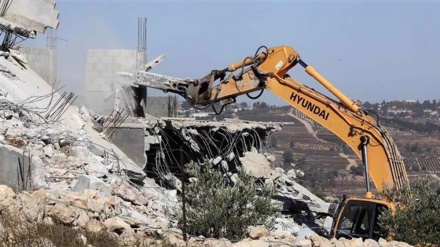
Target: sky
x,y
371,51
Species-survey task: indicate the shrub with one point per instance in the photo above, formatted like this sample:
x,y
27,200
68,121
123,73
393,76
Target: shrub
x,y
416,220
218,208
357,170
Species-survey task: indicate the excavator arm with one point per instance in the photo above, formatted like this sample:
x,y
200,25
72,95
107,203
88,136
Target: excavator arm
x,y
267,69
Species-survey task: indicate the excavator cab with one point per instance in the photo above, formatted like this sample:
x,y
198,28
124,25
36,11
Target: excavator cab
x,y
359,218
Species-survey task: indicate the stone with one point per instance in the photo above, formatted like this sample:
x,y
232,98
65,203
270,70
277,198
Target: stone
x,y
306,232
371,243
224,165
253,243
271,158
299,173
38,174
281,234
394,243
356,242
383,242
63,142
89,182
116,224
319,241
128,237
231,156
123,190
48,150
258,232
175,239
135,176
256,164
65,214
291,173
34,205
83,239
301,242
217,160
82,219
337,243
7,197
48,221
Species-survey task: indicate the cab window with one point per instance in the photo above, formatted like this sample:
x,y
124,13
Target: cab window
x,y
356,221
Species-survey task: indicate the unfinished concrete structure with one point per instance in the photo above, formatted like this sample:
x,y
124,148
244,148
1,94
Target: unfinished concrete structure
x,y
105,90
102,80
43,61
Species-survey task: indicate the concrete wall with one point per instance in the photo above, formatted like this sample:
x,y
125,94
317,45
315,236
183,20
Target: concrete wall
x,y
102,79
159,106
130,138
15,168
43,61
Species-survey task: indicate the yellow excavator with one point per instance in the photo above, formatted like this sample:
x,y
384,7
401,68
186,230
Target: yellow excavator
x,y
356,126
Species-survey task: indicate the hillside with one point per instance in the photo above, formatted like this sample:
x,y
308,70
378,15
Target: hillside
x,y
336,169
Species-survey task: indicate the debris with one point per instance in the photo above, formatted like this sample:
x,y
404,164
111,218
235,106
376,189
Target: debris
x,y
89,182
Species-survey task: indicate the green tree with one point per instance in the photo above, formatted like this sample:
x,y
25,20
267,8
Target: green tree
x,y
218,208
416,220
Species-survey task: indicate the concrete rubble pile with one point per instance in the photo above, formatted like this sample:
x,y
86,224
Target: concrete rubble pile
x,y
231,146
79,177
65,171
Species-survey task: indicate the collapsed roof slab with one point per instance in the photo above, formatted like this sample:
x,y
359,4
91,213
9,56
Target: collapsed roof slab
x,y
24,17
230,145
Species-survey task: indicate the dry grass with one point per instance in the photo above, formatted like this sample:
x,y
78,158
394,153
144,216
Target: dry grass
x,y
18,234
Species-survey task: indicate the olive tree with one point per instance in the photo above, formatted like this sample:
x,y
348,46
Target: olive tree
x,y
416,220
221,207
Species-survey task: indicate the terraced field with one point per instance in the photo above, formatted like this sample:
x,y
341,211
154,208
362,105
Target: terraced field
x,y
296,136
319,148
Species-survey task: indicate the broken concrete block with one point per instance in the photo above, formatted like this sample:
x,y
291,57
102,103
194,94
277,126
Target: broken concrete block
x,y
271,158
256,164
96,150
93,183
291,174
217,160
127,192
224,166
48,150
63,142
135,176
231,156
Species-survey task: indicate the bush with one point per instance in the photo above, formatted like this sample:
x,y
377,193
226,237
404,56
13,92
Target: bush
x,y
218,208
416,220
357,170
